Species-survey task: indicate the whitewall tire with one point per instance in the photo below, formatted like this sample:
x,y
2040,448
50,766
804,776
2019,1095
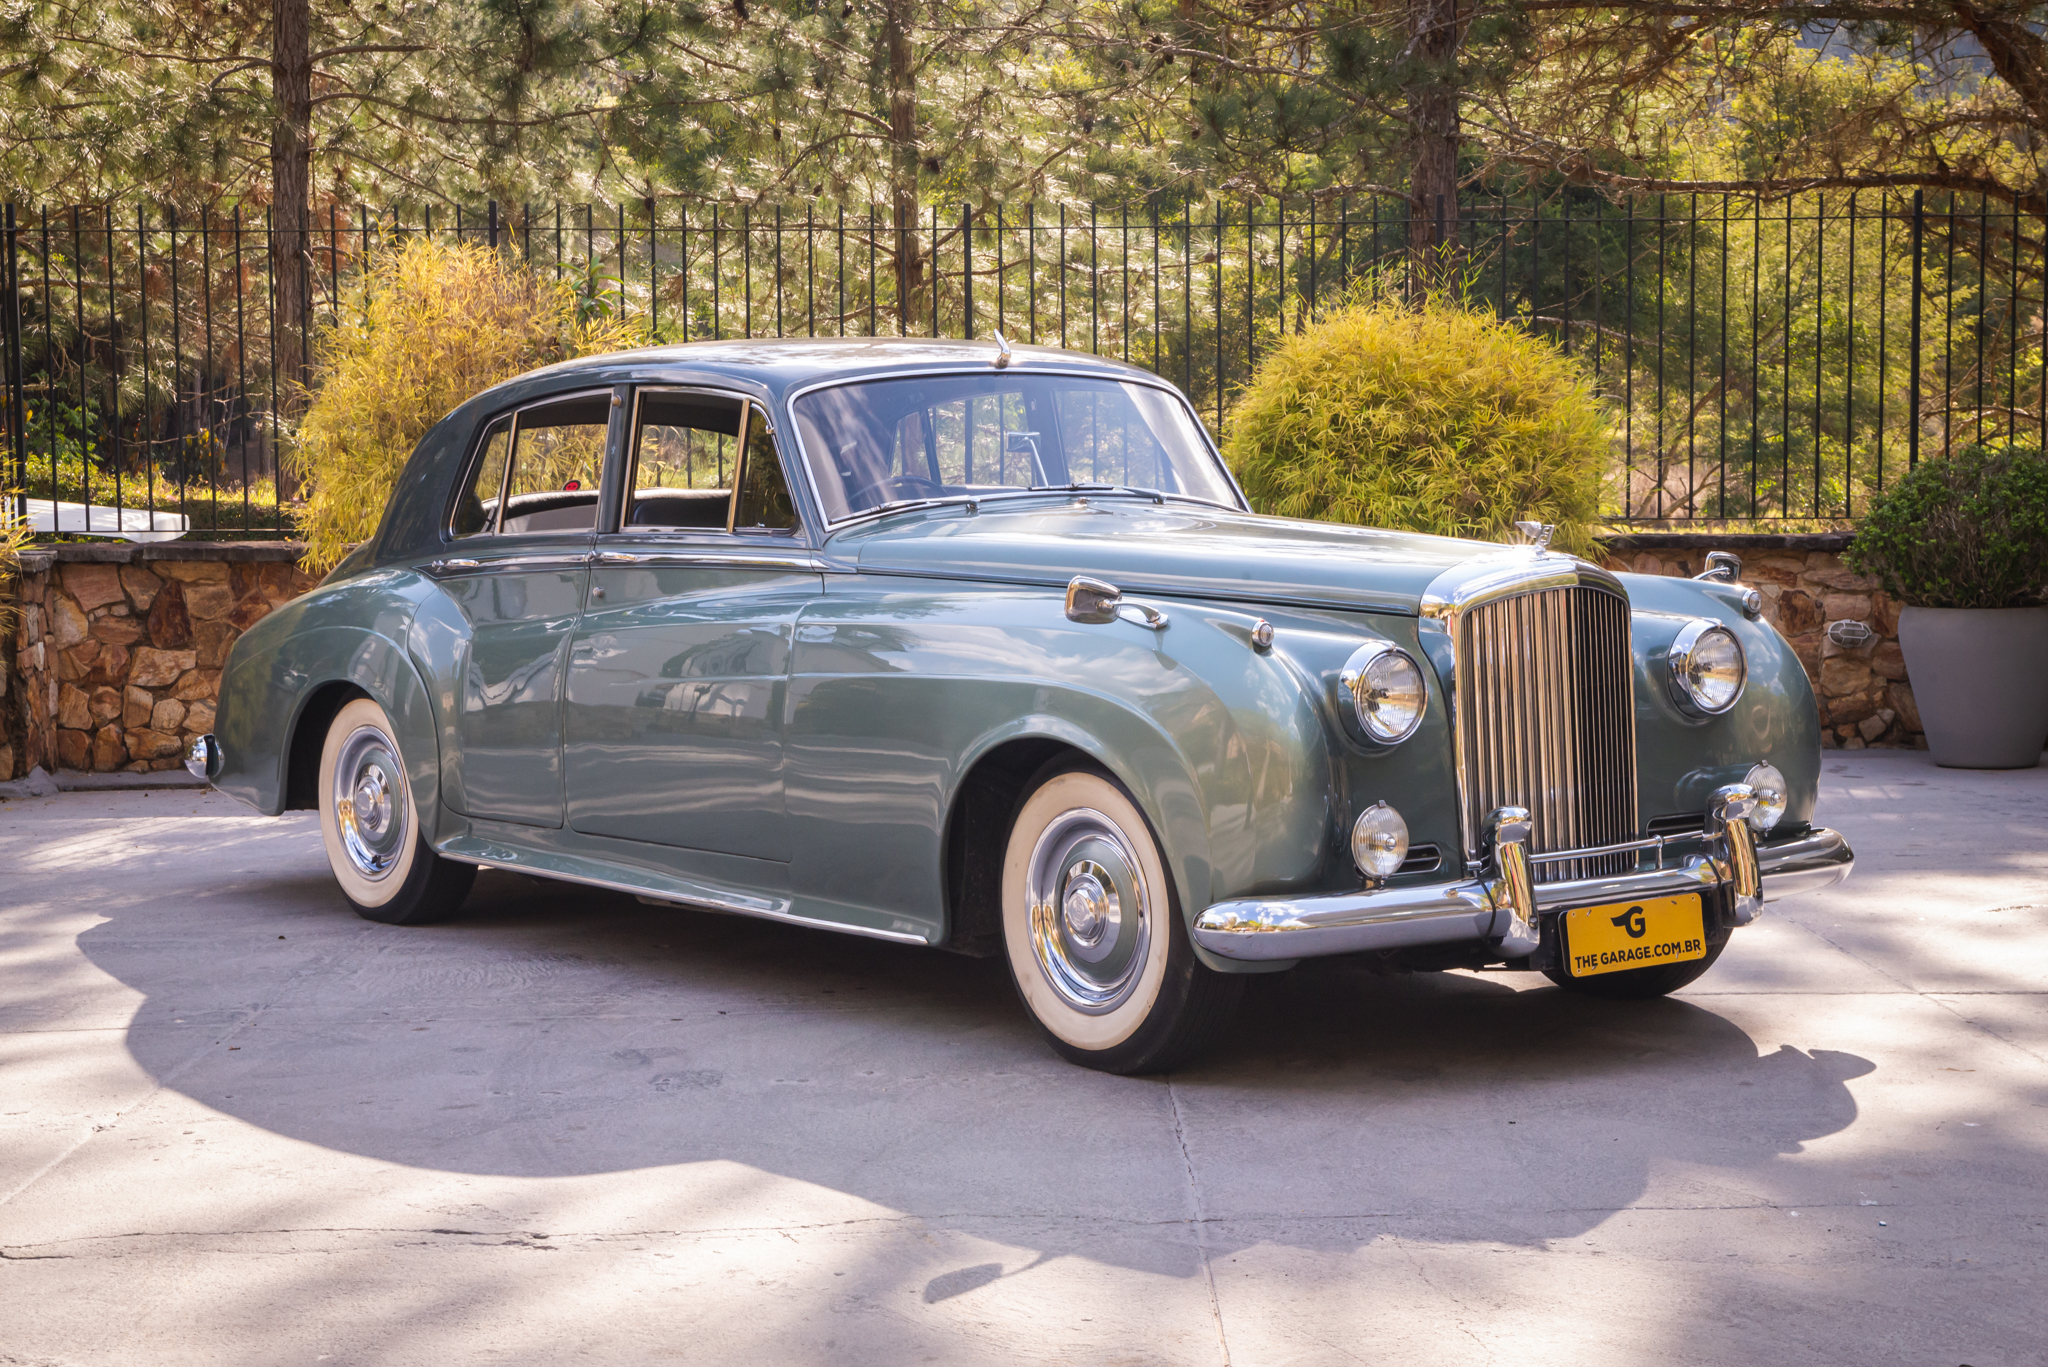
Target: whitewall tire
x,y
1093,931
371,828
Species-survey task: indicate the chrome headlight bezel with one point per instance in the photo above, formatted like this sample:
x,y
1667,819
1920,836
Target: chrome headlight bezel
x,y
1685,649
1360,679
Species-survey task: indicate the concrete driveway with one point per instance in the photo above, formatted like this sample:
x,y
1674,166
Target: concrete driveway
x,y
239,1125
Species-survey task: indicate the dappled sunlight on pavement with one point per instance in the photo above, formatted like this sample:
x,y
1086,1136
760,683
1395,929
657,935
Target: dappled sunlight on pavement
x,y
240,1125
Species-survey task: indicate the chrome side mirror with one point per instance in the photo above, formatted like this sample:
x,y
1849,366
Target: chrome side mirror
x,y
1723,567
1091,600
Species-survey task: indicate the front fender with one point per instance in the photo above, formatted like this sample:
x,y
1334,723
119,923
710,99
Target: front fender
x,y
346,637
1681,759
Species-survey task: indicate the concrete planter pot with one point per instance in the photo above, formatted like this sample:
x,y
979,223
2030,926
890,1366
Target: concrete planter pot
x,y
1980,678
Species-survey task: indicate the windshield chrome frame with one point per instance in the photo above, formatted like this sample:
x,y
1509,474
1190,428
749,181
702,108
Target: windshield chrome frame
x,y
796,437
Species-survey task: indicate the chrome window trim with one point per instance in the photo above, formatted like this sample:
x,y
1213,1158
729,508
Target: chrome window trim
x,y
1056,368
448,534
630,462
717,556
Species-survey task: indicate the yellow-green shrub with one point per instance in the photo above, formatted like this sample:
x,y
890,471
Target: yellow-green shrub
x,y
1429,417
440,324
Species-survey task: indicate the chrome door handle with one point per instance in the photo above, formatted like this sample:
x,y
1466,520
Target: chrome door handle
x,y
617,558
453,566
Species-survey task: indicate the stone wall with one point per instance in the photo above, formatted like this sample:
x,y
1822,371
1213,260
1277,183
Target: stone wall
x,y
1865,698
118,648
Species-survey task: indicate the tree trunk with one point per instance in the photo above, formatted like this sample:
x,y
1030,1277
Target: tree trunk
x,y
291,88
1433,139
903,161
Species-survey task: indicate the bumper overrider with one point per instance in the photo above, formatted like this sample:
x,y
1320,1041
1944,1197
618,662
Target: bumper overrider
x,y
1505,906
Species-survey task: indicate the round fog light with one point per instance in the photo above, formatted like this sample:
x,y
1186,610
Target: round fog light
x,y
1379,842
1769,786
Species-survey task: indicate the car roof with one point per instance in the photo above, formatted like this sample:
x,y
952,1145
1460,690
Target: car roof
x,y
782,364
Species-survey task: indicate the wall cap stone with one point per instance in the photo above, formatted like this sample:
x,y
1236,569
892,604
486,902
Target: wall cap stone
x,y
37,558
1733,541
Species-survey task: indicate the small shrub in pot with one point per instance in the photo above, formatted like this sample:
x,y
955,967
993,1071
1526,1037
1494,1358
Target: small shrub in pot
x,y
1963,543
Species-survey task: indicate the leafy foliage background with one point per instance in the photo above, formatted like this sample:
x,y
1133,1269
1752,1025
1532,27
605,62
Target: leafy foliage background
x,y
439,325
1432,417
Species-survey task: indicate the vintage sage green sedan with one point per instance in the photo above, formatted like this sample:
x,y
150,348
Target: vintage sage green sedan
x,y
978,647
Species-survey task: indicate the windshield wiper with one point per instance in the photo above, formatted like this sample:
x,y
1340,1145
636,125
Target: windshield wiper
x,y
1082,488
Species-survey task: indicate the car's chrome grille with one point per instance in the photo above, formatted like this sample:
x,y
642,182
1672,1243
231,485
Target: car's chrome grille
x,y
1546,721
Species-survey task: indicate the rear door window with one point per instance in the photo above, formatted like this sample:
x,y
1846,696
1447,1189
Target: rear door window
x,y
537,470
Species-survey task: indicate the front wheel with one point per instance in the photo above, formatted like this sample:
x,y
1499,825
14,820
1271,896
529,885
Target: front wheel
x,y
1094,935
371,829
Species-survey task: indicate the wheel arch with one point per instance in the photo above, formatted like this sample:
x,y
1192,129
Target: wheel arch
x,y
994,779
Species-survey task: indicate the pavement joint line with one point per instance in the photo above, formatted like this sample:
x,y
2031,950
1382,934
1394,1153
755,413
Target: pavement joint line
x,y
1194,1193
1929,995
914,1219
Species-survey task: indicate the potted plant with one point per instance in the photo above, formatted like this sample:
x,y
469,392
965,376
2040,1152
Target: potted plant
x,y
1963,543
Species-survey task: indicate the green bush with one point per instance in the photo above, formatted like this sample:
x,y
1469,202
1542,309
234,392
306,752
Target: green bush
x,y
1430,417
1967,532
441,324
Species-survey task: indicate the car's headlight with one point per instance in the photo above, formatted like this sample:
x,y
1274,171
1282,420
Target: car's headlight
x,y
1769,786
1707,668
1387,690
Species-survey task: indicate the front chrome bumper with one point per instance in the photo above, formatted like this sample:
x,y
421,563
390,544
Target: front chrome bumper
x,y
1487,908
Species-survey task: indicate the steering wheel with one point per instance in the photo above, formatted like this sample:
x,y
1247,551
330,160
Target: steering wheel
x,y
911,486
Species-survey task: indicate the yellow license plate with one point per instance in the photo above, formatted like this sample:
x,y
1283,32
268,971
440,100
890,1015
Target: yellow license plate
x,y
1625,935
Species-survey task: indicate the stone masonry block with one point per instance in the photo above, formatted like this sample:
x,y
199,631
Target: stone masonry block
x,y
196,684
156,668
111,666
195,571
74,749
170,624
208,601
142,586
136,705
167,716
249,612
199,718
94,586
210,641
67,622
73,708
104,704
1846,607
109,749
120,631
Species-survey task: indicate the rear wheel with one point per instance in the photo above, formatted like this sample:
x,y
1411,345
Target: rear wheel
x,y
371,829
1094,934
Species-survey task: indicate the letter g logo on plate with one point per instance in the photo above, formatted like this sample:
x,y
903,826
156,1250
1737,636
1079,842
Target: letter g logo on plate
x,y
1632,921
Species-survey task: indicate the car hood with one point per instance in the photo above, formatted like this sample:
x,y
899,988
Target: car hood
x,y
1171,548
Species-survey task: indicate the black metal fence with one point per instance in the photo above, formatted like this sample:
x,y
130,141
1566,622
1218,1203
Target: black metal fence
x,y
1768,360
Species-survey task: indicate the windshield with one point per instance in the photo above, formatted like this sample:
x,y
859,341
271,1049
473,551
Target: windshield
x,y
879,442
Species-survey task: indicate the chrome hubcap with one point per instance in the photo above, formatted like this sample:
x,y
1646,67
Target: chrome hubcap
x,y
1090,911
369,802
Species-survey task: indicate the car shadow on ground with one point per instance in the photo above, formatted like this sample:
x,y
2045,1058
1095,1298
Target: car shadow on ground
x,y
554,1032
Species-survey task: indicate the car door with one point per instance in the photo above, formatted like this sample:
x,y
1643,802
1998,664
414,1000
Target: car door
x,y
675,720
522,529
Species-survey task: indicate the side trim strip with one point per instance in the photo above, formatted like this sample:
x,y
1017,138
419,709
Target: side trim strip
x,y
496,854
